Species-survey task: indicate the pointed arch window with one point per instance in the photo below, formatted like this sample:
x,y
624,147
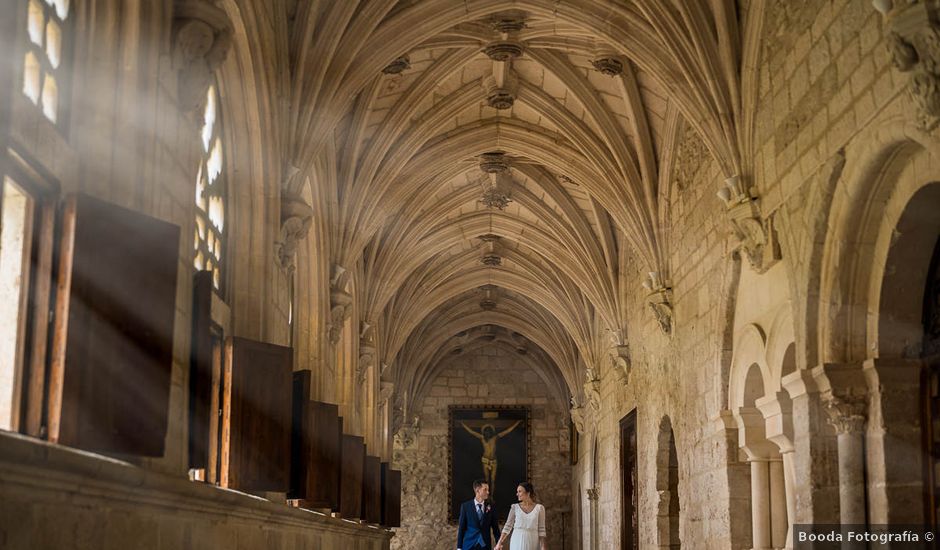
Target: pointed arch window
x,y
209,242
42,59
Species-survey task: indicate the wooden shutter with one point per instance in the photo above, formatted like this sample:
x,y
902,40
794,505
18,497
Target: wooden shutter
x,y
201,373
350,488
391,496
316,448
372,490
256,414
113,335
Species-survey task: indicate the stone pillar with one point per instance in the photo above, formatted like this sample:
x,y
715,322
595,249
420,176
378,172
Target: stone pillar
x,y
760,504
789,473
593,495
849,424
814,454
845,397
779,526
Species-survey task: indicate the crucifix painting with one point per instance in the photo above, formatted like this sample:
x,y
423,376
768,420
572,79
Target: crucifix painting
x,y
488,443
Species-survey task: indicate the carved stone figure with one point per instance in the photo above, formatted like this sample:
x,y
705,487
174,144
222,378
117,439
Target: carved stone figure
x,y
913,40
202,37
296,219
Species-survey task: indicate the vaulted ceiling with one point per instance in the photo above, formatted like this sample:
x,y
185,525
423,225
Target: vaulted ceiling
x,y
494,165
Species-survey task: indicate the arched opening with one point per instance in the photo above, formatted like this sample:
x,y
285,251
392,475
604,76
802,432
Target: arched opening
x,y
906,353
931,389
667,487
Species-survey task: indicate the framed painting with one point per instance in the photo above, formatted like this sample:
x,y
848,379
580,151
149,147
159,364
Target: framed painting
x,y
489,443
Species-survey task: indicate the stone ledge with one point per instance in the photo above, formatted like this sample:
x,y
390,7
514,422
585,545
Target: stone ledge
x,y
53,473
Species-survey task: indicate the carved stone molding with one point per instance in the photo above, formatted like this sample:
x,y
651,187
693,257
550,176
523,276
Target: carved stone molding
x,y
491,255
501,95
593,493
609,66
296,219
398,66
509,22
202,36
756,236
386,389
913,39
503,50
660,301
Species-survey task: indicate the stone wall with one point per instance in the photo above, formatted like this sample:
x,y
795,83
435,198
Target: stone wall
x,y
487,376
56,498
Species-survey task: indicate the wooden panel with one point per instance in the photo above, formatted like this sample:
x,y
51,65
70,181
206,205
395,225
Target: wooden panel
x,y
300,452
113,336
316,450
391,496
372,490
351,470
256,414
200,372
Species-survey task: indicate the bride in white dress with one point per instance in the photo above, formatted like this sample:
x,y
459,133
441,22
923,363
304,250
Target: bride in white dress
x,y
526,522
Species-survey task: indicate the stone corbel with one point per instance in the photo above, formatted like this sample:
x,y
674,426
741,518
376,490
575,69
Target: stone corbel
x,y
366,351
296,219
340,303
913,39
660,301
619,351
756,236
407,434
386,389
202,36
578,416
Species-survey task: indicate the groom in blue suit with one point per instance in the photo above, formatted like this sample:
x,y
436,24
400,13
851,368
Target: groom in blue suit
x,y
477,520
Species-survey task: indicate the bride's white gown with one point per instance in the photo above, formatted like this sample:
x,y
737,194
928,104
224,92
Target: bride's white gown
x,y
526,528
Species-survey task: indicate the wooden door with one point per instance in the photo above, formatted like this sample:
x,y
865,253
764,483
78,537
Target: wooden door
x,y
256,415
930,394
112,350
629,533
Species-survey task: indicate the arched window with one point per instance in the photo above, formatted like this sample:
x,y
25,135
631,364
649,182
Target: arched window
x,y
42,62
210,194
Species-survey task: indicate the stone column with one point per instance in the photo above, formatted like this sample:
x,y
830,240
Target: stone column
x,y
593,495
779,526
760,504
848,419
789,473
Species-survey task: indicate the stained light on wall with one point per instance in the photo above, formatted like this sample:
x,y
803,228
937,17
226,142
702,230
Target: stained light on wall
x,y
209,241
42,62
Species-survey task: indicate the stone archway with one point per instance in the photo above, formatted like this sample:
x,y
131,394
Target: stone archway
x,y
667,488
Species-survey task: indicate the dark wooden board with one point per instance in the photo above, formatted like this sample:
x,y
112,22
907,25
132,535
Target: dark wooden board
x,y
351,470
372,490
200,372
113,334
256,416
316,443
391,496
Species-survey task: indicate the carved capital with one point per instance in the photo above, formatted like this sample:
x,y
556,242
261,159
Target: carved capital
x,y
202,36
386,389
846,414
593,493
913,40
296,219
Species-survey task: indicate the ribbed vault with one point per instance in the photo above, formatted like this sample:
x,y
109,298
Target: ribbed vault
x,y
495,165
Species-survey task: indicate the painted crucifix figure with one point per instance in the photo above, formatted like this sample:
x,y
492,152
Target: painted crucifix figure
x,y
488,437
